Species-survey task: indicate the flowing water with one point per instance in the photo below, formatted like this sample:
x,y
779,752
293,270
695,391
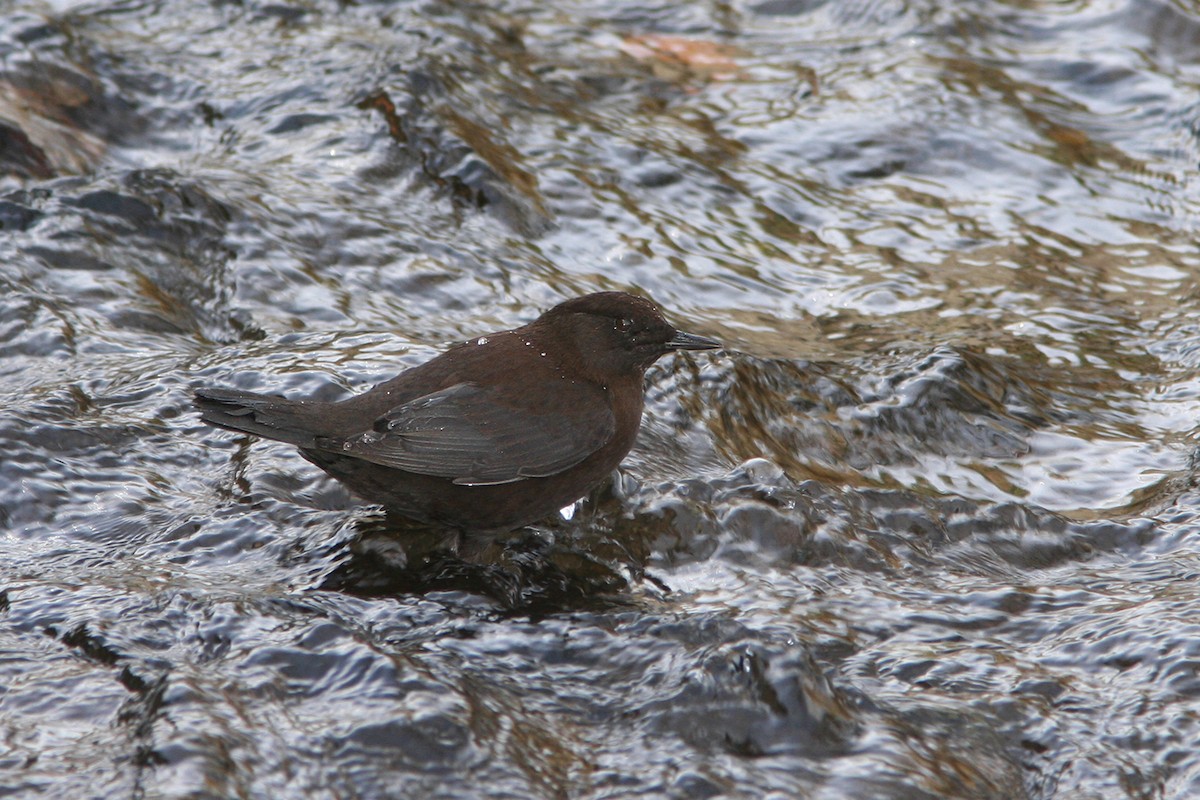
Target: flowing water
x,y
928,528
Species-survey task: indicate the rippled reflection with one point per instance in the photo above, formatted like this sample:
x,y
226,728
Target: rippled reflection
x,y
926,529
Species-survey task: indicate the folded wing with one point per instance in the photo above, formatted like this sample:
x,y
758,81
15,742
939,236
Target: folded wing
x,y
465,434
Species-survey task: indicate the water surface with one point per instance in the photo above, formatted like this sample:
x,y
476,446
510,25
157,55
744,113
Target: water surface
x,y
925,529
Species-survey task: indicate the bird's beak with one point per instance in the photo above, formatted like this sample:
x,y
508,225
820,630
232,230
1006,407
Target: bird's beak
x,y
690,341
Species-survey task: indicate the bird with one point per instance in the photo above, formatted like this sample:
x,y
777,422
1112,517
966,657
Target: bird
x,y
494,434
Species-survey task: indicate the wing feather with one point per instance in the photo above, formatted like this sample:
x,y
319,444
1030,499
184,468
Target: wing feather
x,y
467,434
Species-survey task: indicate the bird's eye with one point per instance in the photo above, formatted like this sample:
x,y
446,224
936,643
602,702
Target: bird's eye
x,y
625,325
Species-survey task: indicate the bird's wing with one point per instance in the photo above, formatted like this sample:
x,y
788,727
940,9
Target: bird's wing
x,y
467,434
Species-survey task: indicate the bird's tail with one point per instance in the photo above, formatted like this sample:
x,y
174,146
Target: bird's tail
x,y
268,416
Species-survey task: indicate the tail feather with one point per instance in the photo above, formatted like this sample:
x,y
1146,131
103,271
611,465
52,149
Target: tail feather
x,y
268,416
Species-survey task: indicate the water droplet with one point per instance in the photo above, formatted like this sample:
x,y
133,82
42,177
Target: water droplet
x,y
481,340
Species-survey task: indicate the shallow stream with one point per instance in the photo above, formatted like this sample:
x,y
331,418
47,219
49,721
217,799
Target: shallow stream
x,y
928,528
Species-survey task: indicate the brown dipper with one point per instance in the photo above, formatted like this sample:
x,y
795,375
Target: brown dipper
x,y
493,434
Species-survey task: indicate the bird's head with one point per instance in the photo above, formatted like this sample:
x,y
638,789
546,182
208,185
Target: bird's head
x,y
615,334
